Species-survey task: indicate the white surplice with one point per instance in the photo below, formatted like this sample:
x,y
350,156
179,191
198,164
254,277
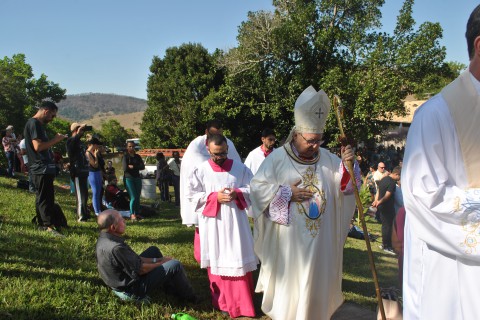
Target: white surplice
x,y
255,159
301,264
195,154
226,240
442,226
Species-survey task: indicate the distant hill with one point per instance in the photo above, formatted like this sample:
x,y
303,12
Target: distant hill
x,y
80,107
127,120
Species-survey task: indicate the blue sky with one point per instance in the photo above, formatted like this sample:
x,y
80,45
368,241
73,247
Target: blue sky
x,y
106,46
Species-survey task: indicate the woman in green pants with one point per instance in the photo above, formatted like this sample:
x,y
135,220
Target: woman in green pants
x,y
132,163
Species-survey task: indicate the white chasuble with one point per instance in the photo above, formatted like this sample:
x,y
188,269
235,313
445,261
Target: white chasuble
x,y
226,241
195,154
301,263
442,202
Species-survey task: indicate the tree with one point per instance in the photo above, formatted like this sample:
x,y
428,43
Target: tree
x,y
58,125
14,77
20,91
331,45
113,133
176,87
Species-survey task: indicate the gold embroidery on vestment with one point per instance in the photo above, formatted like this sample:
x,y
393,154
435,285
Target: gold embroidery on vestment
x,y
310,181
473,232
456,204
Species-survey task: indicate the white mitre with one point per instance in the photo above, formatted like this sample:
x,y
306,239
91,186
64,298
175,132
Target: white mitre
x,y
311,112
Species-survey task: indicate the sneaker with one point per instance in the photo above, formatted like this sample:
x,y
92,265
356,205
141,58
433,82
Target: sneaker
x,y
389,251
130,297
136,217
54,233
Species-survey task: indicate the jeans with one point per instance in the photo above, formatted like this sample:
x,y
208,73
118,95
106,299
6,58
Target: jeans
x,y
163,186
31,186
388,215
176,189
11,162
96,183
170,275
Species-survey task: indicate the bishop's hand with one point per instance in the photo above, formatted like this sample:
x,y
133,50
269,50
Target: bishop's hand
x,y
300,194
347,153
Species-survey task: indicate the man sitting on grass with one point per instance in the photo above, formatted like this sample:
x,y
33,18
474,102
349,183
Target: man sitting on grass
x,y
132,276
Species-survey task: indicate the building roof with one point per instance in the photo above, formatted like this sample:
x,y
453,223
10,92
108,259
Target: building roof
x,y
410,107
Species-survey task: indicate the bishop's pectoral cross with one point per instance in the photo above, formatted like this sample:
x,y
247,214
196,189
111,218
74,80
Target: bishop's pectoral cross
x,y
319,113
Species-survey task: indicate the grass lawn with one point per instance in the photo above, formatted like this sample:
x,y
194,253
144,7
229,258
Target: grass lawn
x,y
44,277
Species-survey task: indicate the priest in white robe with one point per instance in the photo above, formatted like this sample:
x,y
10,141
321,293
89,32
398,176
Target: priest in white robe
x,y
303,203
219,191
195,154
257,155
441,190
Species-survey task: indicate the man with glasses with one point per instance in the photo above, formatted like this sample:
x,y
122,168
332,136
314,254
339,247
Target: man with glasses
x,y
195,154
303,204
257,155
378,175
219,191
380,172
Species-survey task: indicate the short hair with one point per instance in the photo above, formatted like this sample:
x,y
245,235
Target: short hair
x,y
160,156
267,132
111,177
48,105
175,153
473,31
214,123
110,219
217,139
397,170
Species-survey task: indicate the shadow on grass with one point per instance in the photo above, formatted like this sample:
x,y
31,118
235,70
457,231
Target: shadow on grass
x,y
46,312
357,272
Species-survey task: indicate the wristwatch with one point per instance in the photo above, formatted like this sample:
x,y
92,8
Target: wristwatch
x,y
154,260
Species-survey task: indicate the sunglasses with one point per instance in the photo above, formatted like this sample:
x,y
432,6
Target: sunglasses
x,y
219,155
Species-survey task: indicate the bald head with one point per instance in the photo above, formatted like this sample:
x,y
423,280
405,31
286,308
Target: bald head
x,y
107,218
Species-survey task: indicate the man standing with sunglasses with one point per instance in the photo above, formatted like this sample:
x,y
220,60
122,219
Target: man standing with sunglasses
x,y
303,204
257,155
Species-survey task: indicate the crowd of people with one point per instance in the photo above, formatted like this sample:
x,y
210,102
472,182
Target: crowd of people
x,y
300,197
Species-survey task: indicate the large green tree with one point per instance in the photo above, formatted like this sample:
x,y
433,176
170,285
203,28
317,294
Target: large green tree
x,y
176,87
332,45
20,91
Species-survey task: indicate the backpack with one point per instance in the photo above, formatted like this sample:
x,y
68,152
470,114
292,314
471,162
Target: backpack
x,y
23,184
58,217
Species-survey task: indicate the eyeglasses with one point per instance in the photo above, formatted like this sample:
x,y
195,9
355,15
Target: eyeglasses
x,y
381,167
311,142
